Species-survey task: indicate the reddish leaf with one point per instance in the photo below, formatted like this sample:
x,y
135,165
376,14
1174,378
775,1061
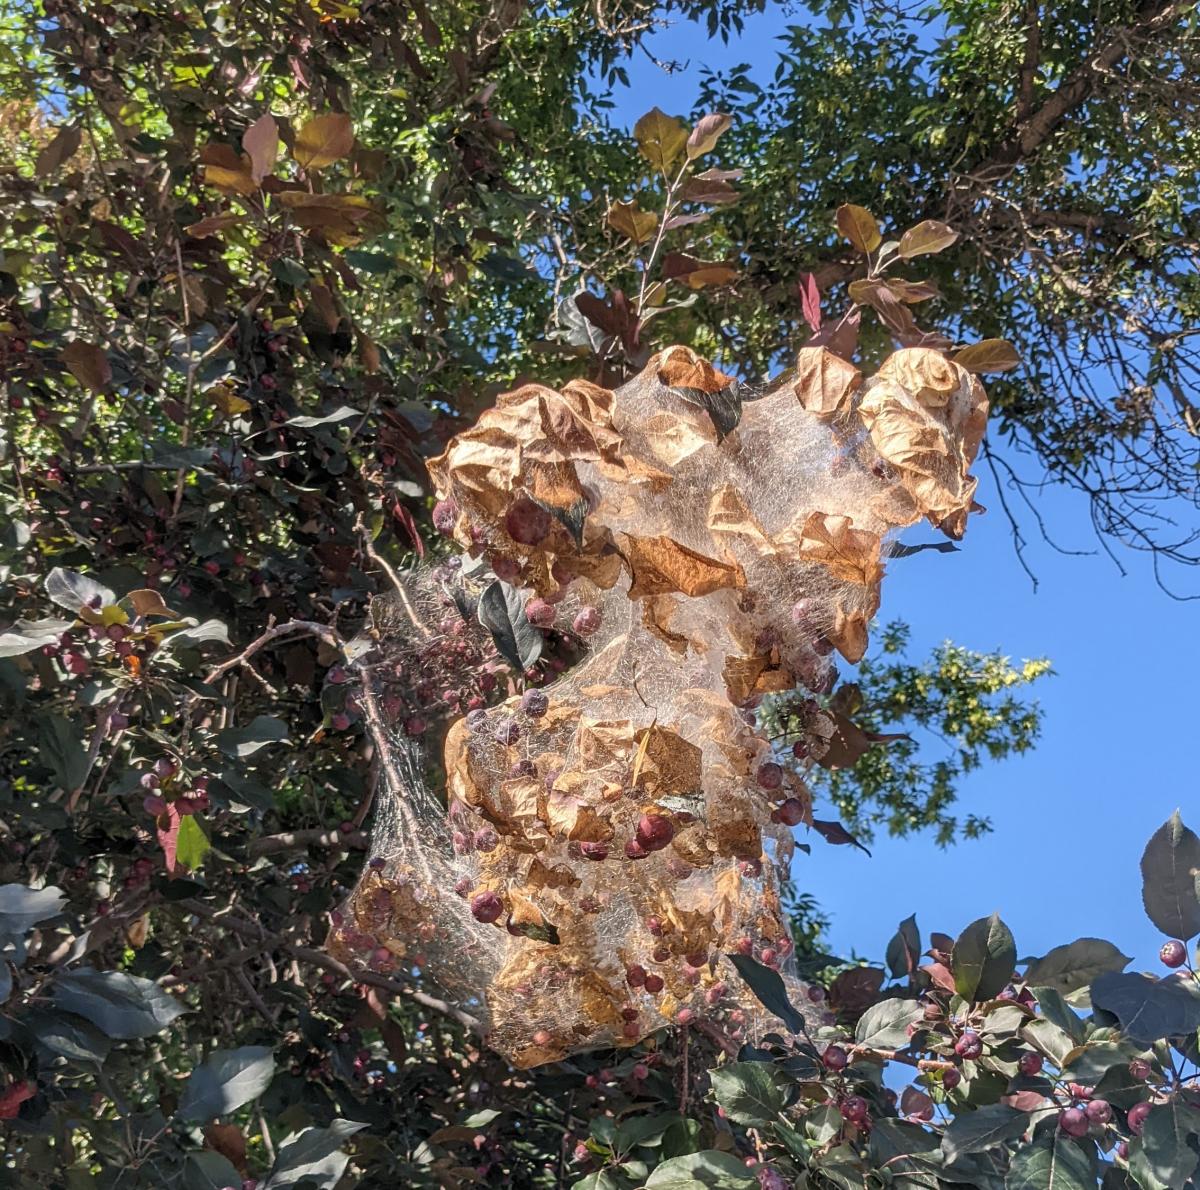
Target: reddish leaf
x,y
410,527
261,142
227,1139
810,301
708,190
836,833
62,148
707,132
914,1102
12,1097
940,974
166,827
840,337
88,364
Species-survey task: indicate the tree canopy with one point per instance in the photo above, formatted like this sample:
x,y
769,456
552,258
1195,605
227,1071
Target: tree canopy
x,y
257,262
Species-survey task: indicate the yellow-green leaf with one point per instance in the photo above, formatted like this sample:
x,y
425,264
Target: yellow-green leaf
x,y
661,139
930,235
988,355
88,364
191,845
630,220
323,140
858,225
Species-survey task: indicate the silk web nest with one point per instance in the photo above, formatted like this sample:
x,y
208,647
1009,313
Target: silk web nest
x,y
608,839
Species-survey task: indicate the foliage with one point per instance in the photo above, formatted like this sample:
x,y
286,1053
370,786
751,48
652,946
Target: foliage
x,y
258,261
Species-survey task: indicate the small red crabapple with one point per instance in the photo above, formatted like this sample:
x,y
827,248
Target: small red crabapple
x,y
653,984
1073,1122
684,1016
1137,1117
854,1109
541,1037
791,811
539,613
486,907
339,722
951,1078
1099,1111
834,1058
586,622
1140,1069
1173,953
1030,1064
641,1072
635,975
769,775
445,513
969,1045
654,832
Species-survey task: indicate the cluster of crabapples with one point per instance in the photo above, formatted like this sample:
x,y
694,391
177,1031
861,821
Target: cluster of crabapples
x,y
166,786
83,645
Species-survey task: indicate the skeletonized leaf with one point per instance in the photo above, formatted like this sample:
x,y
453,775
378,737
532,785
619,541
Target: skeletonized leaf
x,y
858,225
707,132
988,355
929,236
661,139
261,142
323,140
88,364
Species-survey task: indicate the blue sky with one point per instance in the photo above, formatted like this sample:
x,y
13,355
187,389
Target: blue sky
x,y
1070,819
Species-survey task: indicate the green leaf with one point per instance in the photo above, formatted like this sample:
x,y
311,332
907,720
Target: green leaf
x,y
694,1171
750,1093
974,1131
644,1130
983,959
191,843
884,1026
21,907
1148,1010
25,636
290,272
306,421
62,751
121,1005
224,1081
69,1036
768,986
502,612
1163,1159
241,742
904,950
76,591
1090,1062
1171,879
313,1157
1053,1161
209,1171
661,139
1073,966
